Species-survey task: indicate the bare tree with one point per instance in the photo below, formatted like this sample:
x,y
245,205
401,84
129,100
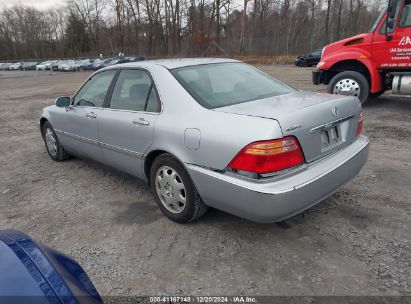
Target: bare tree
x,y
181,27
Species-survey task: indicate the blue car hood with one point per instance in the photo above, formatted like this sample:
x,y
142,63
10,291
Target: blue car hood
x,y
33,273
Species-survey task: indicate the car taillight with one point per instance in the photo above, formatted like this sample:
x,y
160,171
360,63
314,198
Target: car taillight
x,y
269,156
360,125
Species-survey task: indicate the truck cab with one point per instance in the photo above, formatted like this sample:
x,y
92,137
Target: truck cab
x,y
369,64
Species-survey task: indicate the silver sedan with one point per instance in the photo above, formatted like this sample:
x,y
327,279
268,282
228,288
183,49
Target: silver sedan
x,y
212,132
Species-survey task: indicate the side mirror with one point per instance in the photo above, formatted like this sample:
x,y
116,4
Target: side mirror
x,y
63,101
390,24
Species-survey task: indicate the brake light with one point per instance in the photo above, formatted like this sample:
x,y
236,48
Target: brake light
x,y
360,125
269,156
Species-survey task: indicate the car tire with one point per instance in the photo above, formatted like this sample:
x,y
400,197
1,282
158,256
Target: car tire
x,y
174,191
353,81
54,149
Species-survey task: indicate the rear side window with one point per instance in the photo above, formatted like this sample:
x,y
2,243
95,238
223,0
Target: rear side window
x,y
135,91
93,93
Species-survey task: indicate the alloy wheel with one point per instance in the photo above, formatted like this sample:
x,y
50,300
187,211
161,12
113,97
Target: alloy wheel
x,y
170,189
51,142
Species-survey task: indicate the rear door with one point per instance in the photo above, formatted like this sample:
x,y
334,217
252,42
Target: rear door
x,y
127,123
77,126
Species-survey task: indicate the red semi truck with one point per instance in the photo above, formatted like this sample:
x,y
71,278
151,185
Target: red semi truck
x,y
369,64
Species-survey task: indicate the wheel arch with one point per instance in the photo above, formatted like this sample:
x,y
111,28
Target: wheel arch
x,y
43,120
348,65
151,156
363,66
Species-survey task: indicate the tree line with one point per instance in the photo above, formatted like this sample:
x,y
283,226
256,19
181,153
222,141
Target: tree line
x,y
181,27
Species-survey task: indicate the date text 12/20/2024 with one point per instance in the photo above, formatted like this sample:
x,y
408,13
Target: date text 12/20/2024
x,y
203,299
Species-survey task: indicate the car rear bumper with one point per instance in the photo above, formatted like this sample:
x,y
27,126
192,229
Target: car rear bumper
x,y
274,199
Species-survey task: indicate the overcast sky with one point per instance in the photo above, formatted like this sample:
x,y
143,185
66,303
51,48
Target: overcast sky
x,y
40,4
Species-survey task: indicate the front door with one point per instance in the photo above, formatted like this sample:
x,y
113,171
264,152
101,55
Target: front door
x,y
391,47
78,124
127,123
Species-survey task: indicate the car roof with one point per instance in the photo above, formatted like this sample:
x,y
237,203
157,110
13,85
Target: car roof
x,y
174,63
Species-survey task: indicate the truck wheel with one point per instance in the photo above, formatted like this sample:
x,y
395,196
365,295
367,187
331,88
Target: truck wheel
x,y
350,83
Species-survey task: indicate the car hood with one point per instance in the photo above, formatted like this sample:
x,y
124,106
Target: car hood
x,y
299,113
19,279
29,269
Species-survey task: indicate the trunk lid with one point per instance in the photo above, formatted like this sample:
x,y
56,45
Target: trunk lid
x,y
322,123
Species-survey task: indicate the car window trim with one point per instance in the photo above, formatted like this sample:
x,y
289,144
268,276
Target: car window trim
x,y
107,99
153,85
79,89
148,96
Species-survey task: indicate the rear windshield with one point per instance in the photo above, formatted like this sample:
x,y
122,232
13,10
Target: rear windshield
x,y
223,84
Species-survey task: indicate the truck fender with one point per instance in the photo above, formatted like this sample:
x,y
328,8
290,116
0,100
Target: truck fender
x,y
362,57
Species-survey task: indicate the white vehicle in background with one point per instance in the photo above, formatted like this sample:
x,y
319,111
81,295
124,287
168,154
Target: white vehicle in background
x,y
16,66
68,66
5,66
44,66
79,63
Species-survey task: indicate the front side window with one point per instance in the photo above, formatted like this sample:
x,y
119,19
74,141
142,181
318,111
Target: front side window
x,y
223,84
405,19
377,22
134,91
387,29
93,93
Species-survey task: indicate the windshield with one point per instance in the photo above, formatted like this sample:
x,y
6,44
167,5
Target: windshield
x,y
223,84
374,27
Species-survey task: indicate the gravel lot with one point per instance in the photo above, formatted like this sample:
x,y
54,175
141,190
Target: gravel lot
x,y
357,242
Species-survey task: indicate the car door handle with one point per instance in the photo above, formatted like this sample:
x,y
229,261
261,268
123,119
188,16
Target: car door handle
x,y
141,122
91,115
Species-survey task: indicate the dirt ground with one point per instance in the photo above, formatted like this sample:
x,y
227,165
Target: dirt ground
x,y
357,242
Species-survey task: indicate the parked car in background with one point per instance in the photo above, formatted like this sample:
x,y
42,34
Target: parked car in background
x,y
115,61
78,63
29,65
136,58
98,63
16,66
34,273
309,59
55,65
68,66
5,66
87,64
280,150
45,65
